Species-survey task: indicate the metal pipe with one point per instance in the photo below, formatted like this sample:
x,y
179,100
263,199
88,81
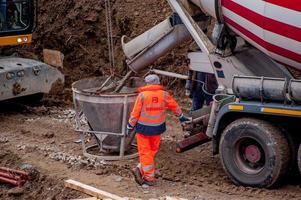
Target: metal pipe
x,y
10,176
181,76
170,74
177,36
260,88
91,90
200,119
122,82
124,122
11,181
212,119
98,132
192,142
217,101
294,90
14,171
147,39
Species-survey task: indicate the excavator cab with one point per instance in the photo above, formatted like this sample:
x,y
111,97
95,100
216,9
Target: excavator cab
x,y
17,21
21,77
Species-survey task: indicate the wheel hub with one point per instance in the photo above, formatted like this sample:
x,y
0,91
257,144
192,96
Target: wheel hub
x,y
252,153
249,156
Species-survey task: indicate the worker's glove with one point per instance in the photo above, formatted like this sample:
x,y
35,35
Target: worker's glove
x,y
183,119
129,127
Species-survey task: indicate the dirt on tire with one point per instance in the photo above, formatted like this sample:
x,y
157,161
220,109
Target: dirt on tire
x,y
277,163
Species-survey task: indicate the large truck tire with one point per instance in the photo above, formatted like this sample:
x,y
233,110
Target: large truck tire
x,y
299,159
254,153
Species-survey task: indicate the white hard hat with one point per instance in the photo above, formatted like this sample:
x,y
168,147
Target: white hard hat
x,y
152,79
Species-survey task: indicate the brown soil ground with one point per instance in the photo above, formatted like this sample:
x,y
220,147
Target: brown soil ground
x,y
40,185
196,174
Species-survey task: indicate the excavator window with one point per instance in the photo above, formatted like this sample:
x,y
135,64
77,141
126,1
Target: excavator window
x,y
16,17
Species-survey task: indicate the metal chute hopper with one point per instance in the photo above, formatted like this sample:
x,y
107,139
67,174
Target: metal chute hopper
x,y
104,116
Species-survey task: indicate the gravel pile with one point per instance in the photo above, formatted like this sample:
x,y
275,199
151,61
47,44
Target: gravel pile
x,y
55,154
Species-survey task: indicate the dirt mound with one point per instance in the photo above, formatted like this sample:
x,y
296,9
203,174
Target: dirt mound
x,y
78,29
38,187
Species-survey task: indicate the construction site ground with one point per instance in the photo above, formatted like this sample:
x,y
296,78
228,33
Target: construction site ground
x,y
43,137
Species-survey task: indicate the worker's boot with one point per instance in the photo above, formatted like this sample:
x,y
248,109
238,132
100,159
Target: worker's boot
x,y
150,181
138,176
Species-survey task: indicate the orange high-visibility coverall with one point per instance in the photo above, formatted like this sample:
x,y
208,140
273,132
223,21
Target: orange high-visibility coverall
x,y
149,115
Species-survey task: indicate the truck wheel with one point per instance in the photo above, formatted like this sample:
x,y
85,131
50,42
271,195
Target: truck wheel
x,y
254,153
299,159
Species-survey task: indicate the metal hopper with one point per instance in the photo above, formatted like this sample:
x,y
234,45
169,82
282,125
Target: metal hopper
x,y
104,116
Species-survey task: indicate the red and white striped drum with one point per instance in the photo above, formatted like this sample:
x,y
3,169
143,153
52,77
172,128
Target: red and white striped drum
x,y
273,26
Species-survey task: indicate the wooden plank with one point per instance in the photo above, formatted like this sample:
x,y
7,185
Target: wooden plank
x,y
92,191
173,198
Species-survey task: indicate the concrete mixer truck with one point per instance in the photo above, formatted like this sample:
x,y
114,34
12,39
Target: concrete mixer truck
x,y
254,121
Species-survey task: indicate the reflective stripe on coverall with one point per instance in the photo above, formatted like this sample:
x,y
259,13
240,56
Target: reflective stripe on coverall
x,y
149,112
148,147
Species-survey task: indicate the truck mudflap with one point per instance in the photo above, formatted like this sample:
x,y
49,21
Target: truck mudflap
x,y
22,77
252,108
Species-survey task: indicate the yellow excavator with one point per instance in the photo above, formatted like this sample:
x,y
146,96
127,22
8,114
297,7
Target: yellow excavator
x,y
21,77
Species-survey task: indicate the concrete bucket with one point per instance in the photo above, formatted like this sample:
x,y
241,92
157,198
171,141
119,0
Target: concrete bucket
x,y
104,117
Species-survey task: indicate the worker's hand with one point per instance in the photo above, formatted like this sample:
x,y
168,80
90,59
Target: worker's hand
x,y
183,119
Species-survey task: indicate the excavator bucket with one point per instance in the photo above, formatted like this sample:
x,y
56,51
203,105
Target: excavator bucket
x,y
23,77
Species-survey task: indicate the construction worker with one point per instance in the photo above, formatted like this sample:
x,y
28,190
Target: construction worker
x,y
148,116
12,14
199,91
